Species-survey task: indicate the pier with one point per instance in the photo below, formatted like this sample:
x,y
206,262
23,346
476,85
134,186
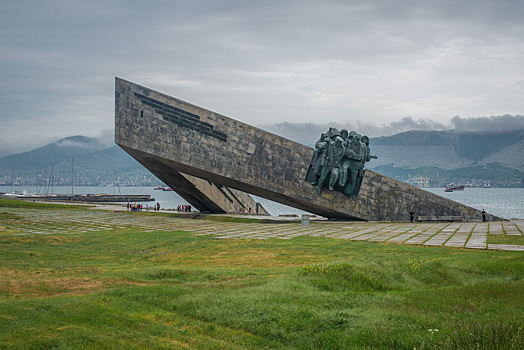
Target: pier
x,y
94,198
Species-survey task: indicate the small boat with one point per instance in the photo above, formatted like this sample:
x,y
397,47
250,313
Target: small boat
x,y
447,189
162,188
167,189
18,194
487,185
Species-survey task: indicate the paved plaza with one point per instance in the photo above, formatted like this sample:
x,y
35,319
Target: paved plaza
x,y
473,235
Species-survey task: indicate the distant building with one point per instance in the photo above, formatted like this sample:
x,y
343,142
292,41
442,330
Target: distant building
x,y
419,181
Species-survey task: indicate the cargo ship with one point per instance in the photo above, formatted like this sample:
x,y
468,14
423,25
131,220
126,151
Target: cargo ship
x,y
452,187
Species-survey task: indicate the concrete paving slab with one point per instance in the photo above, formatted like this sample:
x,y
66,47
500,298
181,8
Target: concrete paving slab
x,y
469,234
393,233
477,242
511,228
466,227
404,237
419,239
357,233
427,234
510,247
496,228
438,239
478,237
367,236
451,228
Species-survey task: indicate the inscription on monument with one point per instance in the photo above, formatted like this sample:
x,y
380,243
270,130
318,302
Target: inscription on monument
x,y
181,117
338,161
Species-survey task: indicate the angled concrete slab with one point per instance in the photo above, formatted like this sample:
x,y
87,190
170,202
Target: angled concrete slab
x,y
168,135
206,196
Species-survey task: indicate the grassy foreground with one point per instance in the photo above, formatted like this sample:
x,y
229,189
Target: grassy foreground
x,y
129,289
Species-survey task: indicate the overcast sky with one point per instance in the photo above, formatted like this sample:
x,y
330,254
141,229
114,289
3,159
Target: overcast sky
x,y
385,64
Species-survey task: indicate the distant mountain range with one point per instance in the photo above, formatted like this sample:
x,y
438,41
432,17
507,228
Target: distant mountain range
x,y
88,152
450,149
91,160
450,156
496,157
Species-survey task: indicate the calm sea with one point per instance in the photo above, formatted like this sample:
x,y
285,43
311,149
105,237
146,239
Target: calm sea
x,y
504,202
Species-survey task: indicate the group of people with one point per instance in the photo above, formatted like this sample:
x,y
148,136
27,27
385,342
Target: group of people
x,y
140,207
134,207
338,160
185,208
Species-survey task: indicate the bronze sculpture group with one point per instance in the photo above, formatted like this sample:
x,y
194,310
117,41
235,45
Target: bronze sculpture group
x,y
338,161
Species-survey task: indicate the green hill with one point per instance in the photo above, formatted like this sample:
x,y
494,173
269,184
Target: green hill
x,y
57,152
448,156
474,146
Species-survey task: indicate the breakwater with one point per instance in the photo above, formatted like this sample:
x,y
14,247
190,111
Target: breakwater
x,y
96,198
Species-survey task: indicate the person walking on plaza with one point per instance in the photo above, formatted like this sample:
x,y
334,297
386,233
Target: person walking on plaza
x,y
483,215
411,215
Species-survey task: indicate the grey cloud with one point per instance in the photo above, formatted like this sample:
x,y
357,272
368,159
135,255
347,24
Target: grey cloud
x,y
107,137
294,61
494,123
308,133
408,123
72,143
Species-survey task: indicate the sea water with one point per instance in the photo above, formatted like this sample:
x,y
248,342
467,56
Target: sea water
x,y
503,202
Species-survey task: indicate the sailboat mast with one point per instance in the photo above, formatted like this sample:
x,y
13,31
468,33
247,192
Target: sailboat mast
x,y
45,189
52,180
72,176
114,178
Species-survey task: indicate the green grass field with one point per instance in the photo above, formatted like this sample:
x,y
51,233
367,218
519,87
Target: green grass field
x,y
129,289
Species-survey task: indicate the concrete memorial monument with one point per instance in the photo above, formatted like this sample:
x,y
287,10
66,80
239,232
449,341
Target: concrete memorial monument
x,y
185,145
